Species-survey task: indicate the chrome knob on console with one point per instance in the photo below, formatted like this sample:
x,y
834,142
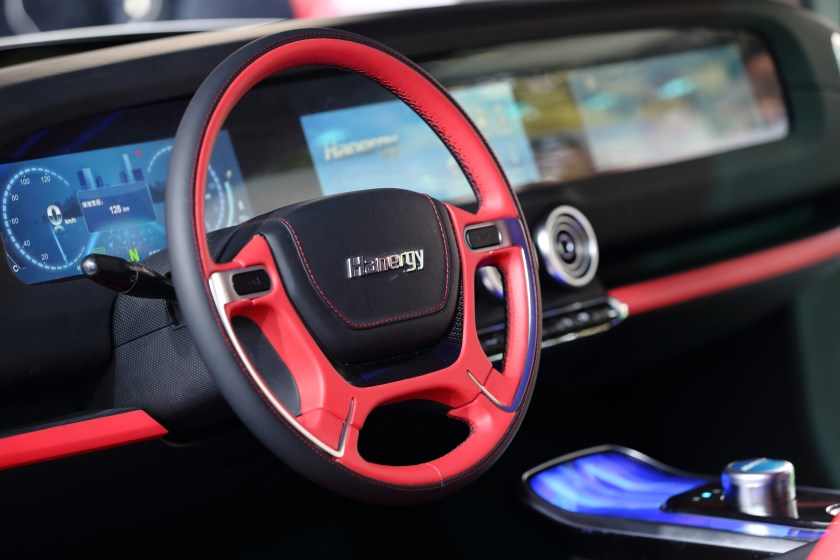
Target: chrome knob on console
x,y
763,487
568,246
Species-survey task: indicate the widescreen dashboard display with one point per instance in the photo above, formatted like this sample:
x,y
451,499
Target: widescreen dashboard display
x,y
562,124
674,107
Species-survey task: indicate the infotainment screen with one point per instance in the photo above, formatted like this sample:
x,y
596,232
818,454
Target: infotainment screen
x,y
57,210
669,108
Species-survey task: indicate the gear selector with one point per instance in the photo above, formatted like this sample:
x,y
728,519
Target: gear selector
x,y
762,487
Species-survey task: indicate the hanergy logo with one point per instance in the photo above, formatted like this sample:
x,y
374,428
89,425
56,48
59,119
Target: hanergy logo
x,y
408,261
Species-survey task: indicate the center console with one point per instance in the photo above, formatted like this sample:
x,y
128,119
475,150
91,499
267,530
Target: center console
x,y
755,505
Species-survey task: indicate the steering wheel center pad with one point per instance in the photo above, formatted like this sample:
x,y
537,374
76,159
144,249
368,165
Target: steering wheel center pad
x,y
372,273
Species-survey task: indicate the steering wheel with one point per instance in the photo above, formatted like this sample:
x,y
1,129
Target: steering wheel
x,y
314,315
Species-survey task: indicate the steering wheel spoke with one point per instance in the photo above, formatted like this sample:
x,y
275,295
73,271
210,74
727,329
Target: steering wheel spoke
x,y
250,288
502,242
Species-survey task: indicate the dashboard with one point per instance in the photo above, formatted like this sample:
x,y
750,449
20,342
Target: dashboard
x,y
683,158
649,98
684,161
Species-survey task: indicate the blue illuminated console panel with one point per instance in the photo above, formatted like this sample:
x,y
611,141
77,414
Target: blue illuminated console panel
x,y
618,490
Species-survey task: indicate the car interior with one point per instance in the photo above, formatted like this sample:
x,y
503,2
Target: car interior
x,y
304,278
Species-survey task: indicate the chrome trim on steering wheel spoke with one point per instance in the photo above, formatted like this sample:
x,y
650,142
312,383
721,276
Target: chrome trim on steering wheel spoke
x,y
221,288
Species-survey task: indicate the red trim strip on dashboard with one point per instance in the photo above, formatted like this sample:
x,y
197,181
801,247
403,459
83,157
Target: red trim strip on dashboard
x,y
727,275
77,438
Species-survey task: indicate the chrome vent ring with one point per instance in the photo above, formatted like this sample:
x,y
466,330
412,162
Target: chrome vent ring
x,y
568,246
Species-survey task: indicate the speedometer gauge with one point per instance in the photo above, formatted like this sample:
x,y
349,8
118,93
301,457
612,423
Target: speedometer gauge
x,y
218,197
42,220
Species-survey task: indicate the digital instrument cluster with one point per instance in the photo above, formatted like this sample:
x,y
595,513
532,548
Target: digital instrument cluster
x,y
56,210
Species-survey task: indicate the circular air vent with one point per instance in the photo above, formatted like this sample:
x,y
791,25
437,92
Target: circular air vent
x,y
568,246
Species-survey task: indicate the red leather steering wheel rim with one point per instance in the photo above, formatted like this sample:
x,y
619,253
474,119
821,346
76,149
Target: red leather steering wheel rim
x,y
321,441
